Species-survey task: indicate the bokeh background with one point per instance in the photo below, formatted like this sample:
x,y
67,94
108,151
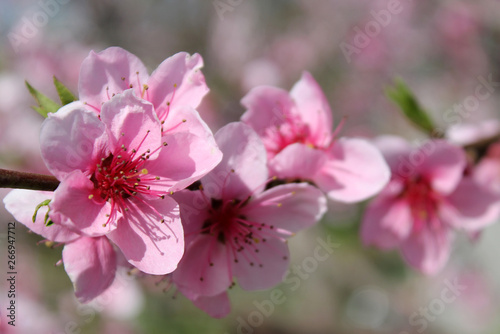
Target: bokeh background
x,y
441,48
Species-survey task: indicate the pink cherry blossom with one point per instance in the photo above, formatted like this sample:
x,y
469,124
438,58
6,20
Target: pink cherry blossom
x,y
236,228
124,299
296,129
487,171
469,133
91,265
427,198
89,262
217,306
176,81
116,173
175,88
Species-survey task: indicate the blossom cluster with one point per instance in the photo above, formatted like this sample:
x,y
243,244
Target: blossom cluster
x,y
145,184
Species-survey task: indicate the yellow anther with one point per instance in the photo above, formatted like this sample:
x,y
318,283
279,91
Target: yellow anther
x,y
423,214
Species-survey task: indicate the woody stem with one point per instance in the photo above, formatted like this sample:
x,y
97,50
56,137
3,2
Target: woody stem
x,y
480,147
23,180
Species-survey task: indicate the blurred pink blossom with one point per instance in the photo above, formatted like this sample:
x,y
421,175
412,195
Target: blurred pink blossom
x,y
428,197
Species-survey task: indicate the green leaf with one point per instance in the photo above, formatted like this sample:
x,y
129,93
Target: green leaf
x,y
64,93
45,104
408,103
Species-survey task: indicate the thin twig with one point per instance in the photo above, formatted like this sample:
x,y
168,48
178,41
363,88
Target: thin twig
x,y
23,180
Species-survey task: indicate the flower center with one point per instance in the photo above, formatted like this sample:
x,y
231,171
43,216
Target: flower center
x,y
277,138
123,174
424,203
294,130
239,234
119,176
242,237
229,225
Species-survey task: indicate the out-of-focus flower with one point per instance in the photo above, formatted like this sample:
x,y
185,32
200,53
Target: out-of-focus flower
x,y
217,306
427,197
16,118
39,318
487,171
459,31
124,299
236,228
296,129
260,72
468,133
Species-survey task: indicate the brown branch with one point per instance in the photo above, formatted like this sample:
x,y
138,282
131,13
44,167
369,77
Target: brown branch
x,y
22,180
480,148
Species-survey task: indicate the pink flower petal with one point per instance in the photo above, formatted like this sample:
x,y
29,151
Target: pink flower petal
x,y
262,270
102,74
428,250
185,159
290,207
355,171
79,207
441,163
131,122
386,222
467,133
195,271
395,149
470,207
150,245
178,80
124,299
217,306
73,138
297,161
243,167
487,173
313,108
266,107
91,265
194,212
22,203
186,119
